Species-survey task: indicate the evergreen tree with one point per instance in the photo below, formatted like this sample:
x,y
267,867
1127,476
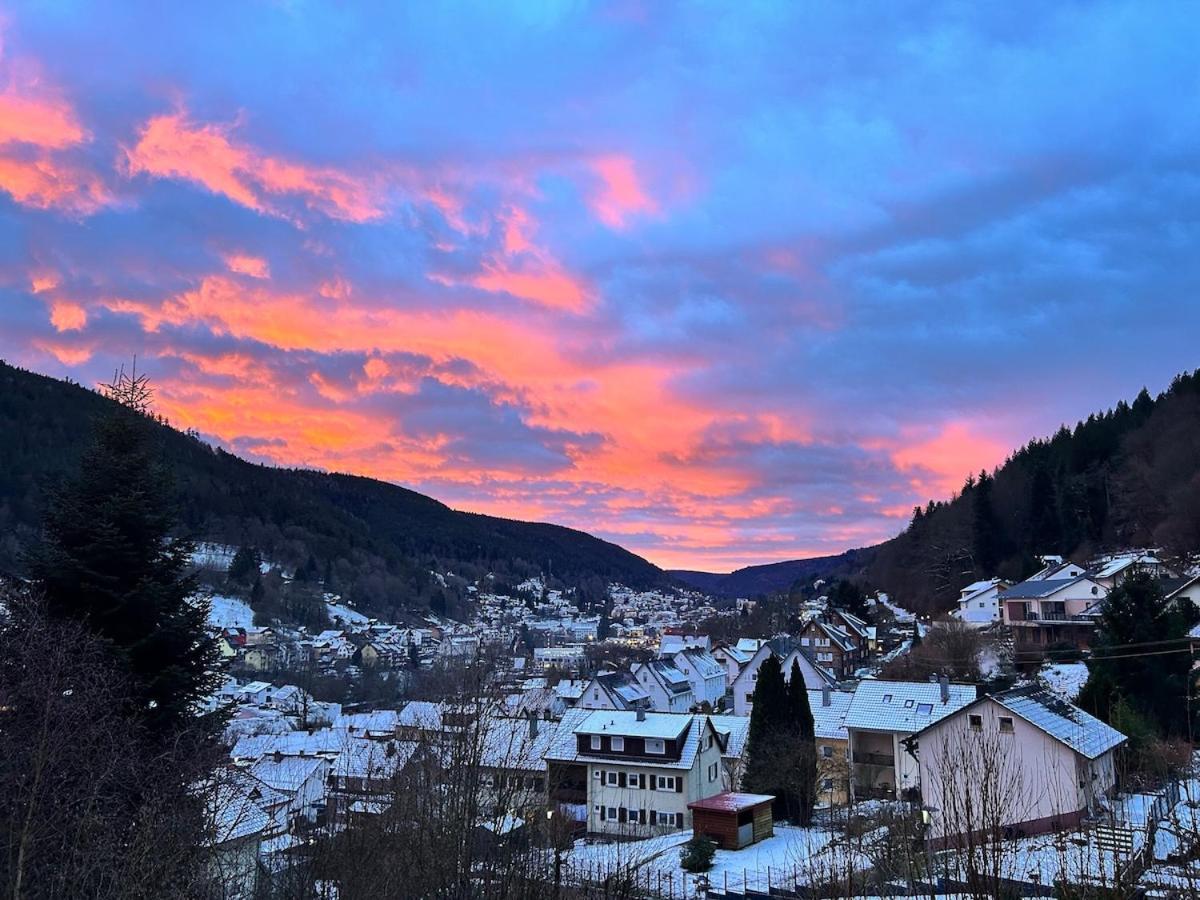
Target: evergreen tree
x,y
805,728
984,532
1121,679
108,558
775,748
244,567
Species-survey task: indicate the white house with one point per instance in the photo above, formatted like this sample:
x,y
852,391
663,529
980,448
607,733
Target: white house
x,y
1023,762
815,676
669,689
880,717
732,659
979,602
704,673
614,690
300,778
642,768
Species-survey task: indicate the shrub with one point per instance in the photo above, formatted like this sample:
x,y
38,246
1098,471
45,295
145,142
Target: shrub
x,y
697,854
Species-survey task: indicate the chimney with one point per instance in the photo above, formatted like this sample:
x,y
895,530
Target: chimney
x,y
278,756
641,715
945,684
533,724
825,694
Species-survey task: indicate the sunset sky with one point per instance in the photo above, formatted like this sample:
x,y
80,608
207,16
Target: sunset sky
x,y
724,283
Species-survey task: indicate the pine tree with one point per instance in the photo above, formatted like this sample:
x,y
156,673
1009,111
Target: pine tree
x,y
244,566
1155,685
802,722
770,766
985,537
108,558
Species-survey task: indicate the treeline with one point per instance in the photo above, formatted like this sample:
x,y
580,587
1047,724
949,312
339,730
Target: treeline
x,y
374,542
1126,477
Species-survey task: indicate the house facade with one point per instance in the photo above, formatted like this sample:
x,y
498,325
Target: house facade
x,y
979,602
642,769
833,648
1052,611
704,673
1020,763
614,690
880,716
668,688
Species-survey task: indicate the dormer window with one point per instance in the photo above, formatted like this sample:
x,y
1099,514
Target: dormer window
x,y
924,709
908,704
655,745
618,744
887,698
595,742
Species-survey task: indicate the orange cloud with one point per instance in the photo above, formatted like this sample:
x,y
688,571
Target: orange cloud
x,y
67,354
67,316
171,146
620,195
546,285
244,264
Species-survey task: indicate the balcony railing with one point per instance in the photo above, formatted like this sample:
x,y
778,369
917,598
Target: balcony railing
x,y
874,759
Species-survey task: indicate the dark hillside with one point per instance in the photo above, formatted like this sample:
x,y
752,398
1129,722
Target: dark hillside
x,y
374,541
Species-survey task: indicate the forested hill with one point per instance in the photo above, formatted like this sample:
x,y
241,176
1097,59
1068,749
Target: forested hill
x,y
1126,477
374,541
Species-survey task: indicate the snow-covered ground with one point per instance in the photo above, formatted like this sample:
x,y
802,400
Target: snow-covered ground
x,y
229,612
343,615
1064,679
901,614
793,855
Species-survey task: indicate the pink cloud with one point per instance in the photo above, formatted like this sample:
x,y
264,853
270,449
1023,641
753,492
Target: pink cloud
x,y
171,146
620,195
67,316
245,264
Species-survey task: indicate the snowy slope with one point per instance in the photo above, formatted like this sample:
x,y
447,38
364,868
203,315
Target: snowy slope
x,y
230,612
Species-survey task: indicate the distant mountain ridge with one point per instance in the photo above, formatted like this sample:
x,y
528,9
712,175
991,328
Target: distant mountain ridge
x,y
751,581
376,541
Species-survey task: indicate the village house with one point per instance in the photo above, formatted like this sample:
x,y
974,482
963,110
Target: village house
x,y
1052,611
788,651
862,635
513,763
362,777
1111,570
668,688
833,648
642,769
1020,763
301,779
979,602
833,744
614,690
237,826
883,714
704,673
732,659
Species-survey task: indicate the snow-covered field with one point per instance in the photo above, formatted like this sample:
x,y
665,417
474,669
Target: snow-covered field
x,y
344,615
792,855
1065,679
230,612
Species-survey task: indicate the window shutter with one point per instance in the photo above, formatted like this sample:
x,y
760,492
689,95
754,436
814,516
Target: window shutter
x,y
621,781
653,779
599,774
621,814
678,784
602,812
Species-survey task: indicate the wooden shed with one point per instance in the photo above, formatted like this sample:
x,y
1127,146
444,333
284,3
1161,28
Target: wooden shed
x,y
733,820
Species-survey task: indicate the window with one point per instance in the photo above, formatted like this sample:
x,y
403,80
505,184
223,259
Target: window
x,y
612,778
612,812
924,709
596,694
975,722
666,782
887,698
712,772
655,745
618,743
908,704
595,742
598,774
827,751
749,698
1006,725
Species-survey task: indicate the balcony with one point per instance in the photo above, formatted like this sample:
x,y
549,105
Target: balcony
x,y
874,759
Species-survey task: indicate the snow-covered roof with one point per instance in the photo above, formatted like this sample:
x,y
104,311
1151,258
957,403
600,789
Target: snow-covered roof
x,y
978,587
1082,732
380,721
565,747
731,802
626,723
292,743
420,714
903,706
508,743
702,662
234,815
287,773
373,759
736,730
830,721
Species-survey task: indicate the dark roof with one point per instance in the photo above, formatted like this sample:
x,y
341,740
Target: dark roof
x,y
1032,590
